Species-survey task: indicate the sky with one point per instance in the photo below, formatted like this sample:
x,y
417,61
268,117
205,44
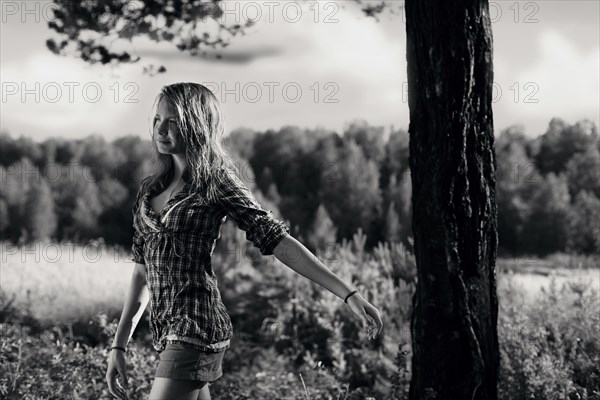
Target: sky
x,y
311,64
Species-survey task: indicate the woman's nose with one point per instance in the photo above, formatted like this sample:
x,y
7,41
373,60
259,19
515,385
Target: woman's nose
x,y
162,129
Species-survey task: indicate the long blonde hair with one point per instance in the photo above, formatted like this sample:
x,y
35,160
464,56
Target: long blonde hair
x,y
201,126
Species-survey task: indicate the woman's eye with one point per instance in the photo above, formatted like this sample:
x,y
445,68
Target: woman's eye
x,y
171,121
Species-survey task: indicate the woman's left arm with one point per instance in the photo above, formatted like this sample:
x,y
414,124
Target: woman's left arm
x,y
296,256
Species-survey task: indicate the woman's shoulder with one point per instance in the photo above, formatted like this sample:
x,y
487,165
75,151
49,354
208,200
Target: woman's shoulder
x,y
211,190
229,179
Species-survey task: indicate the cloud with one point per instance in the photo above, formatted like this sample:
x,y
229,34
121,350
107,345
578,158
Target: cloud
x,y
568,80
365,60
224,56
64,96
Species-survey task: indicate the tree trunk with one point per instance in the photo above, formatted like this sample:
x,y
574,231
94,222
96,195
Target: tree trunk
x,y
453,172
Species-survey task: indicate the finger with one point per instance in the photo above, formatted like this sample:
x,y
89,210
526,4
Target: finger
x,y
113,388
122,373
377,317
122,389
119,392
372,328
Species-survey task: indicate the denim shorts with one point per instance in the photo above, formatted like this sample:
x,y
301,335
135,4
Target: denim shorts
x,y
180,361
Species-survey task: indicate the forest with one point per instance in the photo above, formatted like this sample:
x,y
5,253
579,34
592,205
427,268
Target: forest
x,y
324,184
345,196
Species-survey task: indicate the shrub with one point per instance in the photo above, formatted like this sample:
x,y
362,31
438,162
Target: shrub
x,y
550,349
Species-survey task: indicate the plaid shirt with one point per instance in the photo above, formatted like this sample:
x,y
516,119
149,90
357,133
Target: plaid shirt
x,y
176,247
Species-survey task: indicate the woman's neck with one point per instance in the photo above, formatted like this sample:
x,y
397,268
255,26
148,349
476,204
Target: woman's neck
x,y
179,164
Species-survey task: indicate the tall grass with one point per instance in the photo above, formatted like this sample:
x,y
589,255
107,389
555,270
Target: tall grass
x,y
292,339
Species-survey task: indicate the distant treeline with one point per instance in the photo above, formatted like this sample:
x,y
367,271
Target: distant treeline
x,y
325,185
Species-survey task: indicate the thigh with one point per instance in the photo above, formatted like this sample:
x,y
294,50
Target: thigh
x,y
204,393
180,389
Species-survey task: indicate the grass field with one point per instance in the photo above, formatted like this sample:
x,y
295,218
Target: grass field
x,y
548,328
72,282
66,283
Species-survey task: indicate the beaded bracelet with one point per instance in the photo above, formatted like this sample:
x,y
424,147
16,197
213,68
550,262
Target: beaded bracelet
x,y
346,299
118,347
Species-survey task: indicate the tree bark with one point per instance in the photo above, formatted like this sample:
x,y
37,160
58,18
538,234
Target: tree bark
x,y
453,173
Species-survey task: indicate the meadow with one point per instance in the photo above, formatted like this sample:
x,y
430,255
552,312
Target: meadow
x,y
60,304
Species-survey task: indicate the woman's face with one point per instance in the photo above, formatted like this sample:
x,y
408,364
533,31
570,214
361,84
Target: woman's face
x,y
166,132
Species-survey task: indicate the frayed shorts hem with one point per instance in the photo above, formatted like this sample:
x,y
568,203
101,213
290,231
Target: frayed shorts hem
x,y
174,373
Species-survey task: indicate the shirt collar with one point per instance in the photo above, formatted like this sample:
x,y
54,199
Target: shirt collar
x,y
186,177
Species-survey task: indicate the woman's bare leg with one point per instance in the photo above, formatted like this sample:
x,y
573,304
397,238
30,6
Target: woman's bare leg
x,y
204,393
180,389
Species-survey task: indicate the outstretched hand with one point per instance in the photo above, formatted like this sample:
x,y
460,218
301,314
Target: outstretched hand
x,y
368,313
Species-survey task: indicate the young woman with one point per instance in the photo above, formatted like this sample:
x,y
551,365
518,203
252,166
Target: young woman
x,y
178,212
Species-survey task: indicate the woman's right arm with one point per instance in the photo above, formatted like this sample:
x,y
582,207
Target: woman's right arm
x,y
137,296
136,301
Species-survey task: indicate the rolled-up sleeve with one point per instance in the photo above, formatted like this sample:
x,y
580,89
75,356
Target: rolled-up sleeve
x,y
261,227
137,248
